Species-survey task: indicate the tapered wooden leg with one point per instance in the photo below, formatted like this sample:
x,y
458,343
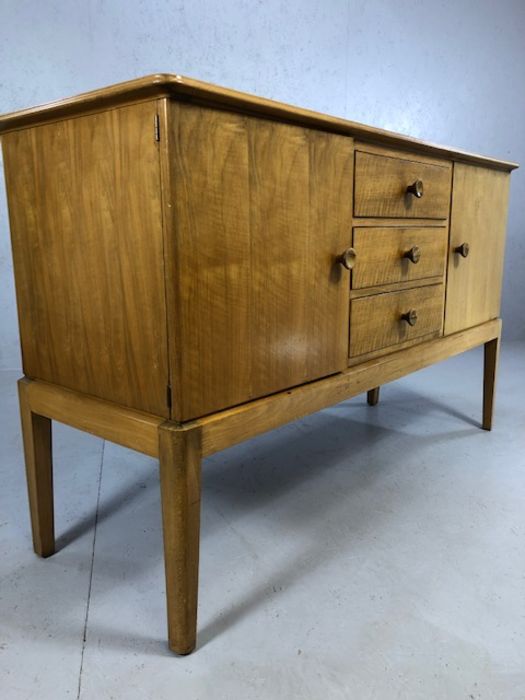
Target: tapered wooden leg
x,y
36,434
180,477
373,396
490,365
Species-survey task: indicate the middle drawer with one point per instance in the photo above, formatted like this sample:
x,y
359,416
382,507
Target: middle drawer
x,y
388,255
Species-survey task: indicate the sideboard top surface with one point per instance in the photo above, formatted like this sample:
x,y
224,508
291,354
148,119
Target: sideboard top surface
x,y
183,88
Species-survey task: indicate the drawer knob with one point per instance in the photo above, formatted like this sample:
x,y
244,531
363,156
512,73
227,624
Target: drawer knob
x,y
462,250
416,188
348,258
414,254
410,317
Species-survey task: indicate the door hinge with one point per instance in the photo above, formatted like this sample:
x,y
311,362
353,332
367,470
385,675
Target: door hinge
x,y
157,127
168,396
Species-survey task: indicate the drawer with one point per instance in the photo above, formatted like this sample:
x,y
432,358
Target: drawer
x,y
390,254
377,321
382,182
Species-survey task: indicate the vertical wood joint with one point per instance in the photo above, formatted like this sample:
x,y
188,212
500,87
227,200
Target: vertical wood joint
x,y
157,127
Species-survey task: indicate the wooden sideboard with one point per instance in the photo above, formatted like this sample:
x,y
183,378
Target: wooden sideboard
x,y
195,266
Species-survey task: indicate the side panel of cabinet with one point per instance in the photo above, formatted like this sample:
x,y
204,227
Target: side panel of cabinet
x,y
86,224
260,211
478,217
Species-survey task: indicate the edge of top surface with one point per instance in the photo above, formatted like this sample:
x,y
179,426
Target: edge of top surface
x,y
173,85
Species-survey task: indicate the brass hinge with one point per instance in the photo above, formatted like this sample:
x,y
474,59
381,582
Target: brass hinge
x,y
157,127
168,395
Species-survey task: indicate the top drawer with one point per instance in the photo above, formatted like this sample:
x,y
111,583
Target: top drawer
x,y
382,187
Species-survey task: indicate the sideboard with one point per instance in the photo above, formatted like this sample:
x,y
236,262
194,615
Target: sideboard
x,y
195,266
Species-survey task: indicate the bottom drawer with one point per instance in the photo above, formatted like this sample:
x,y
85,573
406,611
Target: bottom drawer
x,y
382,320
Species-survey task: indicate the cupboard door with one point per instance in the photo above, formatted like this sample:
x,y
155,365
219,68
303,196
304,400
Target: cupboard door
x,y
261,211
86,225
478,218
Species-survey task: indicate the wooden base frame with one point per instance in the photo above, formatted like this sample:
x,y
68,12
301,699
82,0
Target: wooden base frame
x,y
180,448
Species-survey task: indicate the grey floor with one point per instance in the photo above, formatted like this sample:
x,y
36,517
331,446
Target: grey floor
x,y
358,553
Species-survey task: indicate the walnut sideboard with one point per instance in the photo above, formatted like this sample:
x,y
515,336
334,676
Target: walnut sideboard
x,y
195,266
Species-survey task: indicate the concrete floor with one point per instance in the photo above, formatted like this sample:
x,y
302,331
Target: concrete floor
x,y
358,553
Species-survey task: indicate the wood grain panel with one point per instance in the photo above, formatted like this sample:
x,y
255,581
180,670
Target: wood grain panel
x,y
381,183
85,211
262,211
479,217
375,321
381,251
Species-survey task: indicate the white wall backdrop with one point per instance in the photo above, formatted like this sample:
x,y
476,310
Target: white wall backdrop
x,y
446,71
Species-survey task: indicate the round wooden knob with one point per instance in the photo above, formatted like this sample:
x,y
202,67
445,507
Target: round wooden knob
x,y
462,250
348,258
414,254
410,317
416,188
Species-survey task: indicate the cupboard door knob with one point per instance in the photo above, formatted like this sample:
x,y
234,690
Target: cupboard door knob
x,y
410,317
347,259
414,254
416,188
462,250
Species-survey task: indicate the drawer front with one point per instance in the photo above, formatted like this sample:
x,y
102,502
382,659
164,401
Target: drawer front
x,y
390,255
377,321
381,184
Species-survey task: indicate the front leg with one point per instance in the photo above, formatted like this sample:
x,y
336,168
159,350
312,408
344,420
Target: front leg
x,y
36,434
180,484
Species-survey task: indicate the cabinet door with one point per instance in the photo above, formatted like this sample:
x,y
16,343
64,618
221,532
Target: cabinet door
x,y
261,211
86,225
478,218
